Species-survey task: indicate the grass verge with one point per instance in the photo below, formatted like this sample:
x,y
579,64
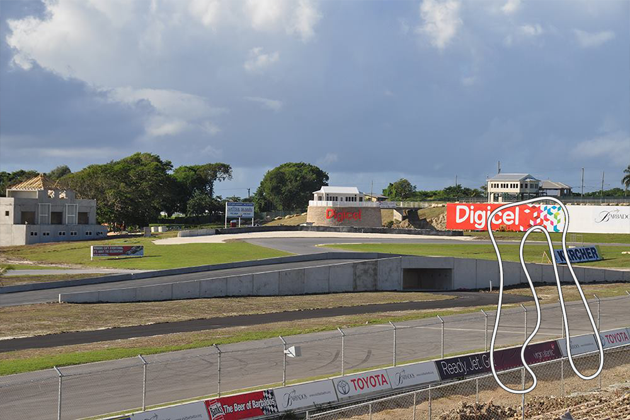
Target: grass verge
x,y
591,238
613,257
15,280
156,256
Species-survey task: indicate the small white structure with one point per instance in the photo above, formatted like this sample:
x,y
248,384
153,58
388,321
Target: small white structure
x,y
339,194
505,187
554,189
39,210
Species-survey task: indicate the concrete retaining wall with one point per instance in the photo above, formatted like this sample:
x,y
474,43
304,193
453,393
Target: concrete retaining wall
x,y
196,232
378,275
344,229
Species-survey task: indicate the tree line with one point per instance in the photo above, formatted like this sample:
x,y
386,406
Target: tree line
x,y
135,190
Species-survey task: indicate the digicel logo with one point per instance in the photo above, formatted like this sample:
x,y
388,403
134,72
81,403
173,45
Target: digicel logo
x,y
340,216
474,216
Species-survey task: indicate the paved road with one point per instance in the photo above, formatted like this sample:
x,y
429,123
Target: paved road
x,y
117,385
52,295
462,299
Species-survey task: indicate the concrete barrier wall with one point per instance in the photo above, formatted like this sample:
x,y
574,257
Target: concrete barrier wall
x,y
378,275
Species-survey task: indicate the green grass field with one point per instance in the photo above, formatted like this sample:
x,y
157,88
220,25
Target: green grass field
x,y
156,256
509,252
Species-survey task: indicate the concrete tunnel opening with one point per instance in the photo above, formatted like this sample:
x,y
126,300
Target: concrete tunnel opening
x,y
427,279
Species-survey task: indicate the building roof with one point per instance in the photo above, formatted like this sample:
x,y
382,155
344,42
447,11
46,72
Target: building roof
x,y
552,185
513,177
40,182
338,190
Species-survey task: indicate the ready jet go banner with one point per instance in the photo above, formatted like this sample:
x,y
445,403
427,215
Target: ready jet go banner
x,y
116,251
578,254
518,218
242,406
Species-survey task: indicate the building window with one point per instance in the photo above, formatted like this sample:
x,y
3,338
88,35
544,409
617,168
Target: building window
x,y
33,233
45,233
73,233
62,233
88,233
84,218
6,213
56,218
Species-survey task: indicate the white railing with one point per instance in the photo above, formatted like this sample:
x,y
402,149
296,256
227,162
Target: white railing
x,y
372,204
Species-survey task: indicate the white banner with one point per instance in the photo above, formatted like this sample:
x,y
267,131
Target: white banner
x,y
362,383
305,395
615,338
242,210
579,345
415,374
192,411
599,219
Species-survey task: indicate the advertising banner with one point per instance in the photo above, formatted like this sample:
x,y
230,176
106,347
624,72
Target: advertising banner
x,y
534,353
192,411
468,216
362,383
116,251
579,345
242,406
578,254
615,338
415,374
599,219
457,367
305,395
242,210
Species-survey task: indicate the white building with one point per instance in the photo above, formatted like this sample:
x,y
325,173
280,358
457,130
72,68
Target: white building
x,y
504,187
348,195
38,210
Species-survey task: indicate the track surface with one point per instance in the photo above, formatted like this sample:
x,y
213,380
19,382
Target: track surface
x,y
462,299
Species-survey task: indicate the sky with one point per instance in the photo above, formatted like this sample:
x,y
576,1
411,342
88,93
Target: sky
x,y
370,91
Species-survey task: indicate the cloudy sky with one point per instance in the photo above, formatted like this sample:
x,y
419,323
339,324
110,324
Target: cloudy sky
x,y
367,90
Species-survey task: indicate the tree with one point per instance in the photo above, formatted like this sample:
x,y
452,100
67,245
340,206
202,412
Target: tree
x,y
59,172
129,192
289,186
190,179
626,179
401,189
201,203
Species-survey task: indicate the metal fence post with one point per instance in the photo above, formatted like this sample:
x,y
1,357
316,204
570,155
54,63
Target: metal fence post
x,y
485,330
144,382
525,309
429,402
370,412
284,361
343,346
218,369
523,395
442,321
413,414
599,315
394,350
562,362
60,391
477,390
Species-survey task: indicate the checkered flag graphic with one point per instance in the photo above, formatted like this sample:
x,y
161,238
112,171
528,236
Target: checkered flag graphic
x,y
269,402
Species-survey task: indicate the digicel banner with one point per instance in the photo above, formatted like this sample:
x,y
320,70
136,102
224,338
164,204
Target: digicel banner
x,y
340,216
518,218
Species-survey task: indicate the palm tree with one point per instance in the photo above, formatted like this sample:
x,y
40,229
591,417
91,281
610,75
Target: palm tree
x,y
626,179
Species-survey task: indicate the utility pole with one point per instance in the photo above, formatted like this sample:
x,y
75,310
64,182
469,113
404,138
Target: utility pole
x,y
455,181
582,182
372,191
602,185
499,167
248,192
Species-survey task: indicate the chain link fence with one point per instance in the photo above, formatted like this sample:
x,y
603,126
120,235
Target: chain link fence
x,y
559,390
136,383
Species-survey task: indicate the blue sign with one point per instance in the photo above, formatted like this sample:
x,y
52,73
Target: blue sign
x,y
578,255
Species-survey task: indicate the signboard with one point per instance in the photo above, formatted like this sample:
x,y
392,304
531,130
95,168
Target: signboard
x,y
415,374
305,395
518,218
578,254
457,367
116,251
534,353
362,383
579,345
584,219
340,215
242,210
615,338
192,411
241,406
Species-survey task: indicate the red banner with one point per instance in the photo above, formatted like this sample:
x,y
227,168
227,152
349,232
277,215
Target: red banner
x,y
466,216
242,406
534,353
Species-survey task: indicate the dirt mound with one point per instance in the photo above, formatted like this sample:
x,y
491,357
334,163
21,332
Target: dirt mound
x,y
487,411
